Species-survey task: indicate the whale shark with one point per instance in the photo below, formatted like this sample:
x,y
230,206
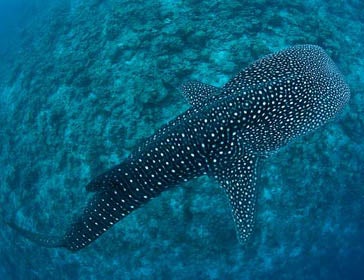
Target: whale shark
x,y
225,134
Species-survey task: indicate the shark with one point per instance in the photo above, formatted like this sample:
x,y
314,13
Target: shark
x,y
225,134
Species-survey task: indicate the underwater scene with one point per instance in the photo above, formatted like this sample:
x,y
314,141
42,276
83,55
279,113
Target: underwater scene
x,y
229,134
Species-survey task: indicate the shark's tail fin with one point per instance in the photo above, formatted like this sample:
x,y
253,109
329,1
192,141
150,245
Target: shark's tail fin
x,y
46,241
105,208
113,199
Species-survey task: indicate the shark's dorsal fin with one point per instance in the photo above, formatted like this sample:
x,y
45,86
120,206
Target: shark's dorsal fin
x,y
238,179
198,93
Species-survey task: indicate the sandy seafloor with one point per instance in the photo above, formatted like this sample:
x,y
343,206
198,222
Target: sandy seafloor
x,y
83,82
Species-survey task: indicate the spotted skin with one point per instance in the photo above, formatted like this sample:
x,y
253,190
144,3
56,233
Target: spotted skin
x,y
224,135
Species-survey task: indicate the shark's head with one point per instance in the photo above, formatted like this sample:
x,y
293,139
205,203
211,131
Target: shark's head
x,y
320,89
289,94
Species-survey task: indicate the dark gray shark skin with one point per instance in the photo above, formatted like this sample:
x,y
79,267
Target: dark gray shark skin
x,y
224,135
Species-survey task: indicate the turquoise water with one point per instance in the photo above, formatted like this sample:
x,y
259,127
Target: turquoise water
x,y
84,82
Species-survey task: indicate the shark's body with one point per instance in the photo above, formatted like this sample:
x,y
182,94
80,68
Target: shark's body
x,y
224,134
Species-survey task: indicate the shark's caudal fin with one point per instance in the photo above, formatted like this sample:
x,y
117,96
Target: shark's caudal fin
x,y
106,207
46,241
103,210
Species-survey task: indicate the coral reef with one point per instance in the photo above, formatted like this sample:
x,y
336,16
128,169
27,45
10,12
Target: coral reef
x,y
90,79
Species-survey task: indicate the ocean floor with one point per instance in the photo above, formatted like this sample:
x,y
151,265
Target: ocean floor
x,y
87,81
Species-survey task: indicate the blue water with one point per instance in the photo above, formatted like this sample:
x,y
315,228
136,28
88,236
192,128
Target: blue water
x,y
83,82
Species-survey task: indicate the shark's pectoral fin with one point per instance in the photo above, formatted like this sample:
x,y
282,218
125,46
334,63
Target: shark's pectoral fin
x,y
197,93
238,178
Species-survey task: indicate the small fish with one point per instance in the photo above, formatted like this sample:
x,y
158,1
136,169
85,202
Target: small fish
x,y
225,134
